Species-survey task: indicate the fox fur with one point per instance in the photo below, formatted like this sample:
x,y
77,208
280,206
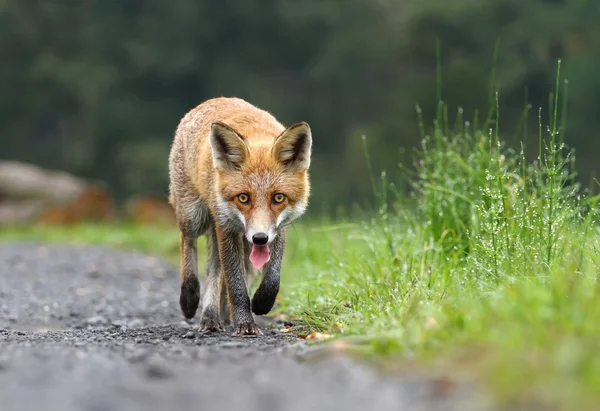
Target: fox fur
x,y
239,177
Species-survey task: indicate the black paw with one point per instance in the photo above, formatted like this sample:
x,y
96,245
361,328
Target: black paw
x,y
247,330
189,299
264,300
210,325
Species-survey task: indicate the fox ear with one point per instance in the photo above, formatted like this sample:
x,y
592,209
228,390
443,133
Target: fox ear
x,y
293,147
228,147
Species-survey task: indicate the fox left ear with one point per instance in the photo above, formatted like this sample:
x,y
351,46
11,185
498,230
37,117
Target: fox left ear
x,y
228,148
293,147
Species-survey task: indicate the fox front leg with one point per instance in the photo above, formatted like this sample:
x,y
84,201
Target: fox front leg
x,y
193,220
210,303
266,293
231,252
189,297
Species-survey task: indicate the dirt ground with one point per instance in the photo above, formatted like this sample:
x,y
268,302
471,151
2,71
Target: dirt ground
x,y
87,328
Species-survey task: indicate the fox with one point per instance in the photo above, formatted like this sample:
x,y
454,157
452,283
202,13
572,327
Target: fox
x,y
240,177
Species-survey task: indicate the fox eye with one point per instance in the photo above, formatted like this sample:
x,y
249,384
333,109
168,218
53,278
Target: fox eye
x,y
243,198
278,198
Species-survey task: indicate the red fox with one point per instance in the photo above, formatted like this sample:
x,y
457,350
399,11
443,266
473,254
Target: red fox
x,y
240,177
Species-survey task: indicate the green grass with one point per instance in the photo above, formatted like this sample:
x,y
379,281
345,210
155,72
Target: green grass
x,y
489,269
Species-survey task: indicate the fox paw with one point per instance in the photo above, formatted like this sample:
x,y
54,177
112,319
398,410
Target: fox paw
x,y
264,297
189,299
210,325
262,303
247,330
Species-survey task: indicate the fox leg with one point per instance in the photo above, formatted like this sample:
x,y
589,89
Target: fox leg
x,y
264,297
210,302
250,273
248,278
225,312
189,297
231,251
193,219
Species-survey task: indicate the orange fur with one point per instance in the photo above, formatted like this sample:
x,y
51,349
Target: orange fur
x,y
258,127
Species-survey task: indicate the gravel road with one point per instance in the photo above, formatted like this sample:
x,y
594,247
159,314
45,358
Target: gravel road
x,y
87,328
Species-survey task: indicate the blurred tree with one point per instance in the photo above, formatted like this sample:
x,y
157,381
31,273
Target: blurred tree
x,y
97,87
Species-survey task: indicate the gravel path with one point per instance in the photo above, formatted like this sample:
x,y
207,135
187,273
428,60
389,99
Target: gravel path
x,y
86,328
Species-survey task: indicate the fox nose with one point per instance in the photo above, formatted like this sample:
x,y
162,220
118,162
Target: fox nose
x,y
260,238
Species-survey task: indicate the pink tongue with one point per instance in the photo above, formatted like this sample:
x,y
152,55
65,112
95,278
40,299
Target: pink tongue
x,y
259,255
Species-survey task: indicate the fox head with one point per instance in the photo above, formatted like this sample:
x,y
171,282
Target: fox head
x,y
262,185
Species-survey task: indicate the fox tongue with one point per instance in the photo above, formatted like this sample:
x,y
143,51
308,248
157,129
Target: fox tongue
x,y
259,255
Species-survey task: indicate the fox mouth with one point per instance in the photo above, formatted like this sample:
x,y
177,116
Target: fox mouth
x,y
259,255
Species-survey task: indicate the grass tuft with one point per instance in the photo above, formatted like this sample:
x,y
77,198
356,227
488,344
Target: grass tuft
x,y
492,253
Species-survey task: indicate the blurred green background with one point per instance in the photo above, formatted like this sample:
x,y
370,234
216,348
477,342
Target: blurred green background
x,y
97,87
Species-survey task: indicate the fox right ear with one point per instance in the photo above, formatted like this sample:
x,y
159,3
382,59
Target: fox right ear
x,y
293,147
228,147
